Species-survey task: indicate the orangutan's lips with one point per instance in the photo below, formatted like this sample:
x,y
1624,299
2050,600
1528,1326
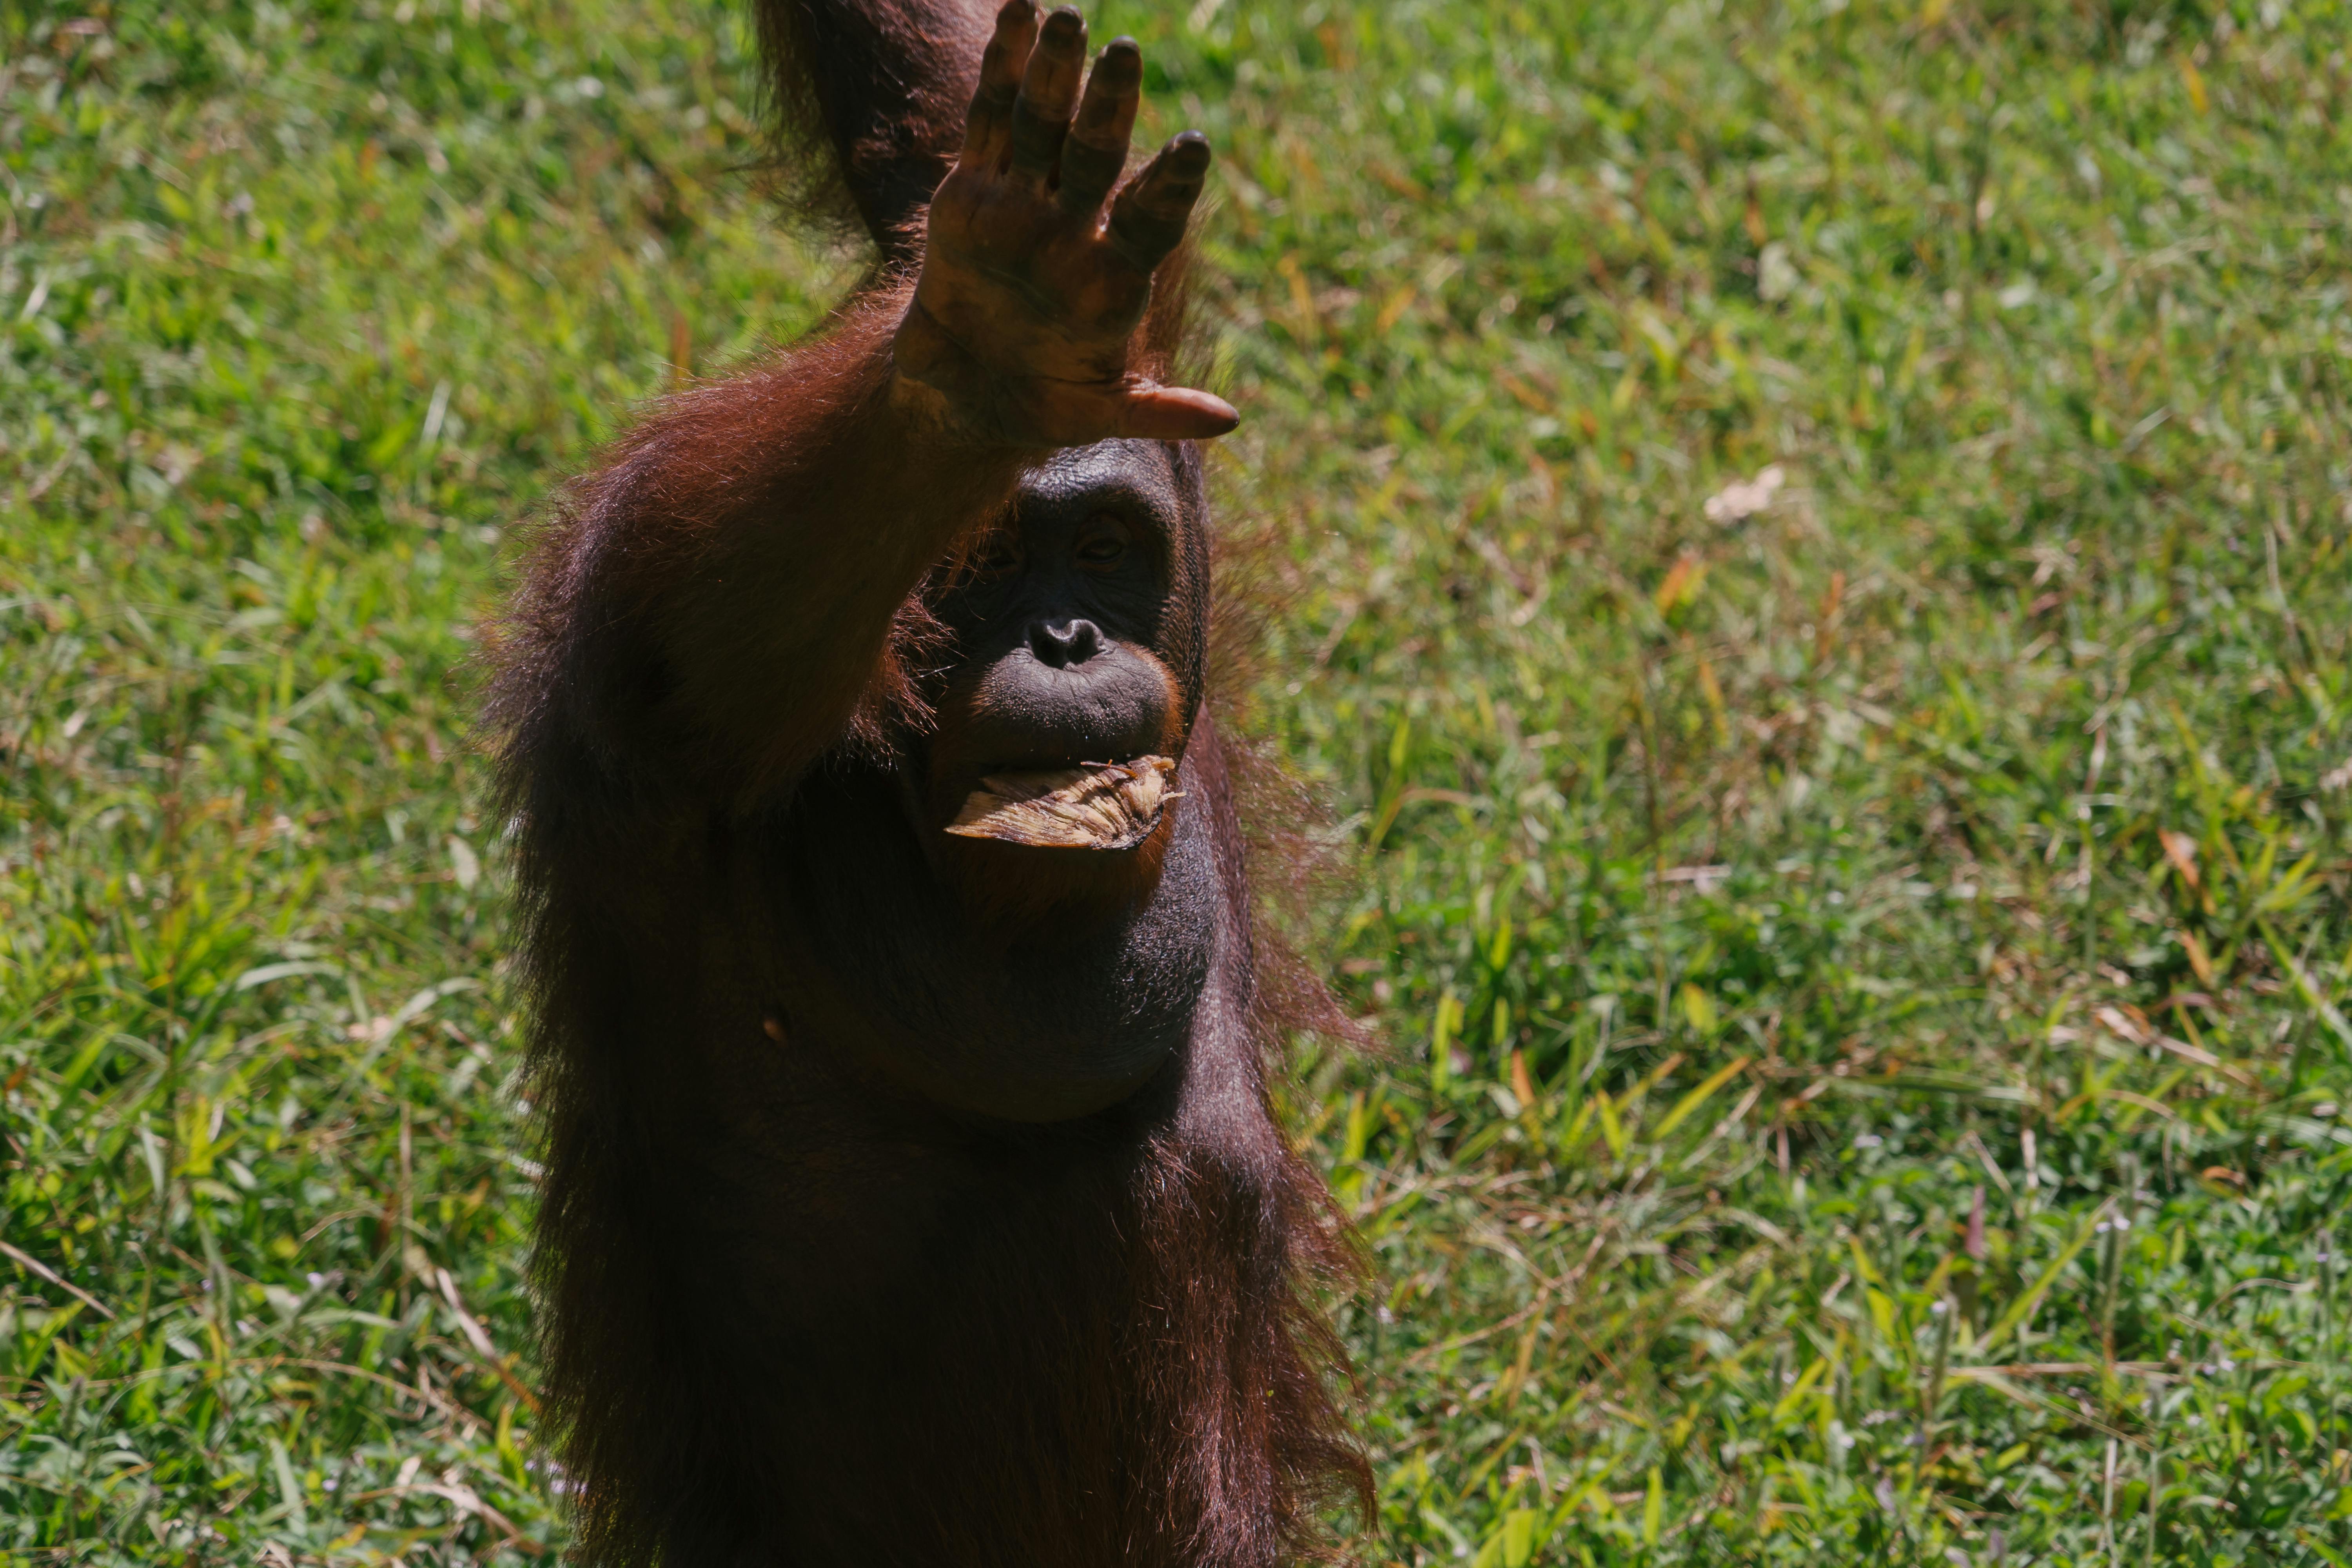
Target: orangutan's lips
x,y
1101,806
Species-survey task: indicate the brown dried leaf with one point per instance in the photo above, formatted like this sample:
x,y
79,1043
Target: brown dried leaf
x,y
1113,806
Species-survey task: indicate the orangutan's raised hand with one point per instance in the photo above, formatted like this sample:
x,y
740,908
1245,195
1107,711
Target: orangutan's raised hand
x,y
1034,275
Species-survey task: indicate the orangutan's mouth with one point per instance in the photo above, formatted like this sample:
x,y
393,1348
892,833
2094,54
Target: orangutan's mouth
x,y
1098,806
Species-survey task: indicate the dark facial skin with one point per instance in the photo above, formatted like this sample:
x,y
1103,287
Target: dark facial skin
x,y
1072,624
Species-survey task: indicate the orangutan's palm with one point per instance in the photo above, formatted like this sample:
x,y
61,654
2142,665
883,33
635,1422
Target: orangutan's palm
x,y
1034,275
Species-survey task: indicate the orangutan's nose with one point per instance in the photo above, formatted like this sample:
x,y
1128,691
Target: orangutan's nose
x,y
1071,642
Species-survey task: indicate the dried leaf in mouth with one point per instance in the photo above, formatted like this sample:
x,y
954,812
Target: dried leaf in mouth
x,y
1110,806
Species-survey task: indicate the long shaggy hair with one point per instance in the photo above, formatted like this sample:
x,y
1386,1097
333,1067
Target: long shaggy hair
x,y
1068,1345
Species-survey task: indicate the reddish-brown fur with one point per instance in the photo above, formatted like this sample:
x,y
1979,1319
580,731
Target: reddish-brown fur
x,y
791,1313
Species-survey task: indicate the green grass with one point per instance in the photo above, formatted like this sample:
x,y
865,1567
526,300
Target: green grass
x,y
1741,900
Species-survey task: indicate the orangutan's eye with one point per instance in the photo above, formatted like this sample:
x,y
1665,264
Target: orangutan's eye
x,y
1104,545
1001,560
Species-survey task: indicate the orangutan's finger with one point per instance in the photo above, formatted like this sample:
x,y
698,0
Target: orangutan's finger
x,y
1176,413
1001,67
1040,411
1147,220
1096,154
1041,115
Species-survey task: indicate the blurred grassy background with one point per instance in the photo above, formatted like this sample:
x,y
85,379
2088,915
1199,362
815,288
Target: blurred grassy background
x,y
1815,538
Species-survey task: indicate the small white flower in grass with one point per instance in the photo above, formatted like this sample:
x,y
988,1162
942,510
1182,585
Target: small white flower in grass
x,y
464,864
1745,498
